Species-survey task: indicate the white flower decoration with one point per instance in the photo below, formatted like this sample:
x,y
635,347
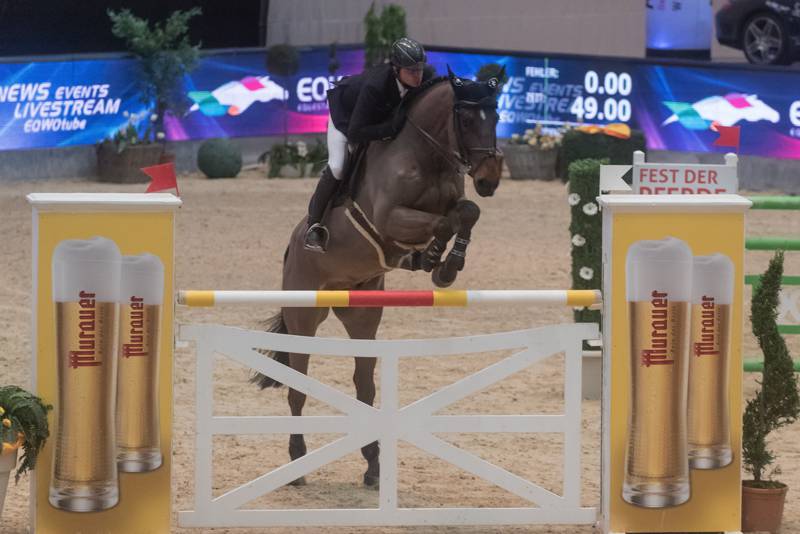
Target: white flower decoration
x,y
126,114
160,135
515,137
587,273
578,240
590,208
153,117
574,199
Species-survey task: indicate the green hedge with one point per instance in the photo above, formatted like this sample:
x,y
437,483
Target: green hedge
x,y
585,230
579,145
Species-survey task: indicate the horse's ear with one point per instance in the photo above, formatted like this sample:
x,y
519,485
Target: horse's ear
x,y
502,73
455,81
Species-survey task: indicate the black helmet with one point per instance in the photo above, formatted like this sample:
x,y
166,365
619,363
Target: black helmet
x,y
407,53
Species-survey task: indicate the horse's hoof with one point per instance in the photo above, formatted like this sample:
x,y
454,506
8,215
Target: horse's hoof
x,y
439,280
298,482
372,481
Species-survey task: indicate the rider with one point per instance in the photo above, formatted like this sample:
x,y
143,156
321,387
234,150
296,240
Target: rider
x,y
363,108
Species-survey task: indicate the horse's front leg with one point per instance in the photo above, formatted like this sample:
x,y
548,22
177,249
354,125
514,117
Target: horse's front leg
x,y
409,225
468,213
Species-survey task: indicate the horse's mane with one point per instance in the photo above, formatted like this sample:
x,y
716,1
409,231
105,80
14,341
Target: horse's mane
x,y
416,93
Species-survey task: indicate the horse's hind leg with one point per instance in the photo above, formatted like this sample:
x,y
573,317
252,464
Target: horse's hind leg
x,y
445,274
362,323
301,322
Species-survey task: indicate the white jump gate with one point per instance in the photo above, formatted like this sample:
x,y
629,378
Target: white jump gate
x,y
390,423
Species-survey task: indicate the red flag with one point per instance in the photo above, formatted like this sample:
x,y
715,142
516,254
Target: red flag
x,y
163,177
728,135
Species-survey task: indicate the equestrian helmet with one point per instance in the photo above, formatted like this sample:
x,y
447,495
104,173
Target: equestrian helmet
x,y
407,53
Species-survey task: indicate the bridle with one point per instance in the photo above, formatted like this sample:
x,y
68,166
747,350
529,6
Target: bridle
x,y
460,159
488,104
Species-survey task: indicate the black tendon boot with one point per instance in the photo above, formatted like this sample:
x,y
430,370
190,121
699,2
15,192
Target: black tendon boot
x,y
317,235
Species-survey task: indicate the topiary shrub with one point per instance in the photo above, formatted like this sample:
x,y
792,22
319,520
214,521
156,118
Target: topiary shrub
x,y
776,403
580,145
585,231
219,158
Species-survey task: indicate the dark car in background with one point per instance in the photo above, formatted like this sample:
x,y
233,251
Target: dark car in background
x,y
767,31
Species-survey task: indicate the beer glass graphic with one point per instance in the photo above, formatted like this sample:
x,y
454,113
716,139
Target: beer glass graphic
x,y
708,426
86,276
658,288
141,298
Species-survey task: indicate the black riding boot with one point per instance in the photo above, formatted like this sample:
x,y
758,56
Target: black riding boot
x,y
317,235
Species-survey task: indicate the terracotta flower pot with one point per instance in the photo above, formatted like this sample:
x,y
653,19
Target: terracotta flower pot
x,y
530,163
123,167
8,459
167,157
762,508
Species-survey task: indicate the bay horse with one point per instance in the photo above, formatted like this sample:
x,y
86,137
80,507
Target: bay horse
x,y
409,204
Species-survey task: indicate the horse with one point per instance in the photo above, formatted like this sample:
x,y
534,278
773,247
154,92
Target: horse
x,y
408,205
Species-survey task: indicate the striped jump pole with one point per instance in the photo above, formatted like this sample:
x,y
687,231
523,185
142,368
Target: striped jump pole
x,y
372,299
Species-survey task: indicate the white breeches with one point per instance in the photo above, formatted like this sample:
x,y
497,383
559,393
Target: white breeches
x,y
337,150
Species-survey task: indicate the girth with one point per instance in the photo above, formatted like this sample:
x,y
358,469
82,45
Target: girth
x,y
391,254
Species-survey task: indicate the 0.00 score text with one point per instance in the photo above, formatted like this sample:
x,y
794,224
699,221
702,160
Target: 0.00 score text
x,y
613,109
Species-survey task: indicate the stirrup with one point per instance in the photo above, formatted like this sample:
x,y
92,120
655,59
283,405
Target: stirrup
x,y
312,231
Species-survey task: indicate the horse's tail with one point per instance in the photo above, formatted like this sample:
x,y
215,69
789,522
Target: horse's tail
x,y
277,325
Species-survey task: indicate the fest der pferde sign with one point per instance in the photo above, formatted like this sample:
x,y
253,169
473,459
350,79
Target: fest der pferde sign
x,y
230,94
672,178
102,356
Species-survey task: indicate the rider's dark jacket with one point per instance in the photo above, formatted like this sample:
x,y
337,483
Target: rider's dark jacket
x,y
363,106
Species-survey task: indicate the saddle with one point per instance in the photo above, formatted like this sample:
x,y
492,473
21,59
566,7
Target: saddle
x,y
352,174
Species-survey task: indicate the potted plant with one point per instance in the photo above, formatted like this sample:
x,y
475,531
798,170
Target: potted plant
x,y
23,425
295,159
775,404
533,155
134,145
380,31
164,56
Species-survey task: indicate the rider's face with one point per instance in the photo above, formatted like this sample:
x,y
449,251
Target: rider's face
x,y
411,77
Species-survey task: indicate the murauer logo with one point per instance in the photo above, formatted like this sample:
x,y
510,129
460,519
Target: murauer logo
x,y
726,110
707,344
135,346
658,353
86,354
